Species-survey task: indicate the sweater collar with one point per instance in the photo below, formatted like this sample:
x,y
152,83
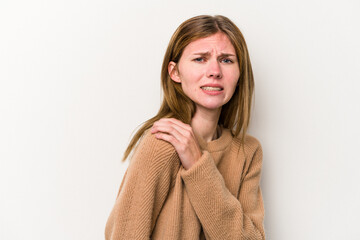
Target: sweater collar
x,y
218,144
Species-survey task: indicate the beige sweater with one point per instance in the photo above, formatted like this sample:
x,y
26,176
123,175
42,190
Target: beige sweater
x,y
219,197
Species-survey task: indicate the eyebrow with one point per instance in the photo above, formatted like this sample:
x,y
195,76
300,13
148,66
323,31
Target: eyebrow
x,y
208,54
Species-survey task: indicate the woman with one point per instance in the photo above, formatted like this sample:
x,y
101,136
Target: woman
x,y
195,173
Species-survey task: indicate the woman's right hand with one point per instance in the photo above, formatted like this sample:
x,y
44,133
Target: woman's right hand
x,y
181,136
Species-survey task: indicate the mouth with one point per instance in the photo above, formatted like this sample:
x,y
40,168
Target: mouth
x,y
211,88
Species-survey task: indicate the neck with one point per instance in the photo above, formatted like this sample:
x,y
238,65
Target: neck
x,y
204,123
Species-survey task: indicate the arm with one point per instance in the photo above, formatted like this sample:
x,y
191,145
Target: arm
x,y
222,215
143,190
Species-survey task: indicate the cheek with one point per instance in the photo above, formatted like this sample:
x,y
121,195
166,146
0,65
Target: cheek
x,y
189,89
190,78
233,82
234,78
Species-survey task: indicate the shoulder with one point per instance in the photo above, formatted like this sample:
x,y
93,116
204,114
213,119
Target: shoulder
x,y
152,150
251,147
250,143
250,153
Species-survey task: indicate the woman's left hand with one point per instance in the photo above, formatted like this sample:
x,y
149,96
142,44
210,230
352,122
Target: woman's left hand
x,y
181,136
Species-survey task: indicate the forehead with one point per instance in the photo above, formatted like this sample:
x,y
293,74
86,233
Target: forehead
x,y
218,42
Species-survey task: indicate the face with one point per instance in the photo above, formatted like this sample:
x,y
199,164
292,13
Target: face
x,y
208,71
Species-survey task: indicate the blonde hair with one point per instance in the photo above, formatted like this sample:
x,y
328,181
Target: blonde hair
x,y
235,114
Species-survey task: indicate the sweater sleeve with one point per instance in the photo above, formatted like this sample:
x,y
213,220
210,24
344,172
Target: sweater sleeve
x,y
222,215
143,190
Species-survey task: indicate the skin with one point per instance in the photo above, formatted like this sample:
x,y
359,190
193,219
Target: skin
x,y
210,60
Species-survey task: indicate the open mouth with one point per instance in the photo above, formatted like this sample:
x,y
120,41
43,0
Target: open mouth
x,y
212,88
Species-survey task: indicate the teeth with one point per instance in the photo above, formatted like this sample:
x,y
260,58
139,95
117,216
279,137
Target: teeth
x,y
211,88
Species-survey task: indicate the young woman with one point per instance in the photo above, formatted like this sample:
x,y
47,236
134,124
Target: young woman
x,y
194,172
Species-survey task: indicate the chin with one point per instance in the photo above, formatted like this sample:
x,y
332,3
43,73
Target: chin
x,y
212,106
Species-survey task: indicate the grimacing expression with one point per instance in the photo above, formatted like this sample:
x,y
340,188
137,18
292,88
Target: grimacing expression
x,y
208,71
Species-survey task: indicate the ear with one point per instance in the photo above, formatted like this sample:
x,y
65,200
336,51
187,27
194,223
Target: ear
x,y
173,72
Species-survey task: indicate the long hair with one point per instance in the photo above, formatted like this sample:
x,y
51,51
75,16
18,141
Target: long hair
x,y
235,114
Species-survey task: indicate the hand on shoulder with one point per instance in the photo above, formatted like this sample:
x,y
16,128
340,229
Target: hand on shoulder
x,y
181,136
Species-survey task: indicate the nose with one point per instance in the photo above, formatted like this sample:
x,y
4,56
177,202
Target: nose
x,y
214,70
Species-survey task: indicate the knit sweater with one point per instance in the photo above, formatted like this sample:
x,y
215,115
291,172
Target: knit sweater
x,y
219,197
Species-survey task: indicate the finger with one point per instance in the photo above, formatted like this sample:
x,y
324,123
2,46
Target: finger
x,y
186,131
179,123
169,138
167,128
165,122
182,128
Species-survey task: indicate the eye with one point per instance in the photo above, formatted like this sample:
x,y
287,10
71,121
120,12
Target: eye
x,y
199,59
227,60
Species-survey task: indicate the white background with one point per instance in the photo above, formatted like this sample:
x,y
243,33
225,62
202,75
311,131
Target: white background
x,y
78,77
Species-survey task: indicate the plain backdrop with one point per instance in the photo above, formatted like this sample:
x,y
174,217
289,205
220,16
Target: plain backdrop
x,y
78,77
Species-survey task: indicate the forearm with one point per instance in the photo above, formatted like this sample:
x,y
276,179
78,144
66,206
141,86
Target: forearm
x,y
220,213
